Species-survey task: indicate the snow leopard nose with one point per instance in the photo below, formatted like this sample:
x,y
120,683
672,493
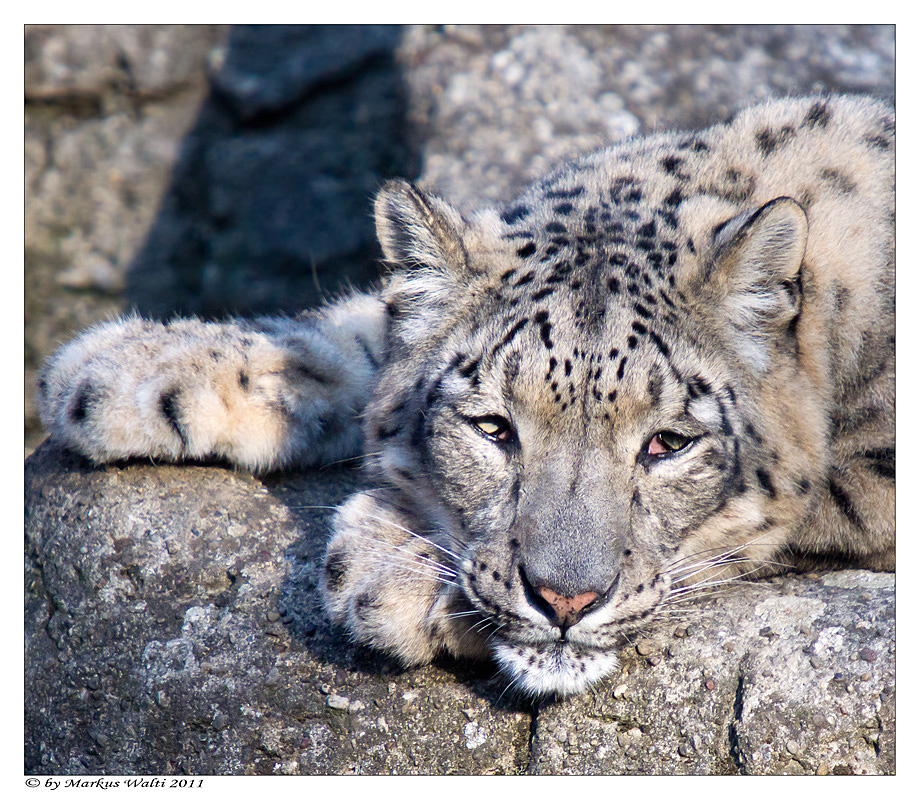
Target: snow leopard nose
x,y
565,602
567,610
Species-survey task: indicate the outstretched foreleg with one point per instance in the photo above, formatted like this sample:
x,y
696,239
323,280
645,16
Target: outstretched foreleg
x,y
265,393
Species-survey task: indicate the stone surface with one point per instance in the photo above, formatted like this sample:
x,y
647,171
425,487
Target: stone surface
x,y
201,169
785,677
492,107
106,109
98,62
173,625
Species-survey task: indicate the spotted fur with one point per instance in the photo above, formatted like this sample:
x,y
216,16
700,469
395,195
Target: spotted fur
x,y
669,361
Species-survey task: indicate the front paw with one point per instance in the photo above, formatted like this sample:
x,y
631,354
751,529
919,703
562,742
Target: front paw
x,y
395,587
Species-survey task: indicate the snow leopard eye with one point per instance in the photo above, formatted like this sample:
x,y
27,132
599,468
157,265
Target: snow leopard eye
x,y
495,427
665,442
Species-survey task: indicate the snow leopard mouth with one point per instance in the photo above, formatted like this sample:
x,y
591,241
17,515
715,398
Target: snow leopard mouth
x,y
553,668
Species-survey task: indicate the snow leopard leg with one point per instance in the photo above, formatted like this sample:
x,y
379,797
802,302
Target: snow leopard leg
x,y
264,393
395,586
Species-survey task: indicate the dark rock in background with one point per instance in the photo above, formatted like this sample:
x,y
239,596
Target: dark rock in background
x,y
172,619
274,69
269,207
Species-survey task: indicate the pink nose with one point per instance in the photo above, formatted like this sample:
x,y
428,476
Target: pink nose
x,y
568,609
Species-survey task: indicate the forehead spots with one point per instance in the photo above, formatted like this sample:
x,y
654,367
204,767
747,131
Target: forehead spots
x,y
542,319
654,386
674,198
524,279
527,250
626,191
769,139
837,180
732,184
670,165
647,230
559,194
660,344
877,141
515,214
597,250
600,262
693,143
818,116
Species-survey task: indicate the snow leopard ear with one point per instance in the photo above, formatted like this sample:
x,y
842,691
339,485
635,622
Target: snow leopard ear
x,y
421,237
417,230
755,274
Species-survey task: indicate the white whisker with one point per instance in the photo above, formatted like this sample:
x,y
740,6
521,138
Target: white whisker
x,y
431,570
690,597
495,632
385,521
662,610
436,578
682,563
409,555
514,682
706,567
704,585
409,565
456,614
700,587
689,570
354,459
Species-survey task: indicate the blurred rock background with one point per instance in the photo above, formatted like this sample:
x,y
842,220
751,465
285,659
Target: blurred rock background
x,y
223,170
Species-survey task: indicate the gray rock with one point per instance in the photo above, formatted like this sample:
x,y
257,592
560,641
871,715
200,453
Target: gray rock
x,y
106,110
272,68
96,62
173,625
201,169
741,693
493,107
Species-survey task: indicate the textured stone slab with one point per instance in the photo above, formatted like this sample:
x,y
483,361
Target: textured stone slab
x,y
173,625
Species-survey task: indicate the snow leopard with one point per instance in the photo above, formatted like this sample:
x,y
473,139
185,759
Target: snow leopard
x,y
664,363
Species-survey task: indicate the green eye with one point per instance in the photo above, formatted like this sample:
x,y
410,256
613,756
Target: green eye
x,y
495,427
665,442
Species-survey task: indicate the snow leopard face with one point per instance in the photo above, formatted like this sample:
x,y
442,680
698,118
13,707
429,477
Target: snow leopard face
x,y
593,396
578,439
